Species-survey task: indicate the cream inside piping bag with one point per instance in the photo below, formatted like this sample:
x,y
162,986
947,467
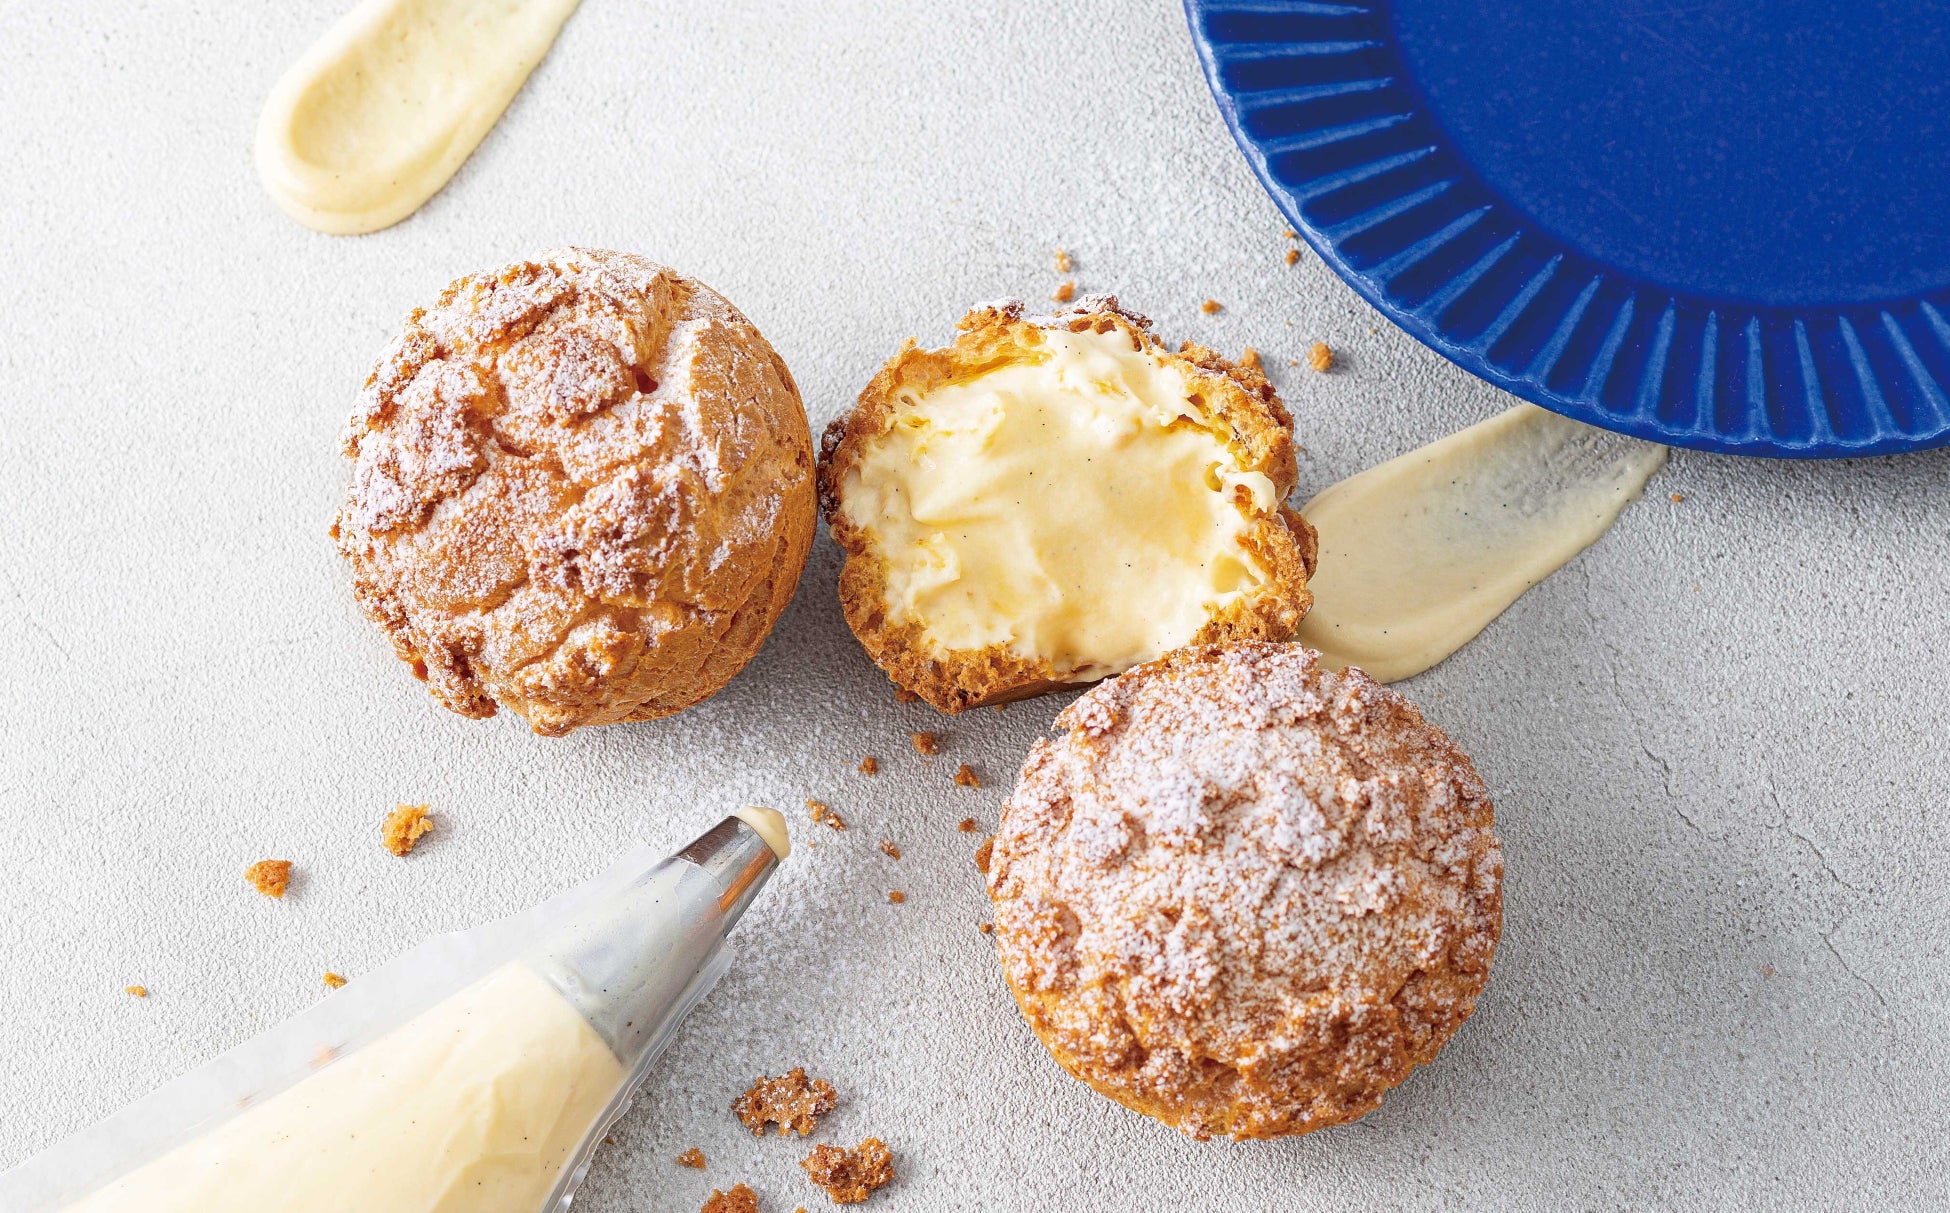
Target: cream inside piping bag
x,y
371,121
1418,554
489,1101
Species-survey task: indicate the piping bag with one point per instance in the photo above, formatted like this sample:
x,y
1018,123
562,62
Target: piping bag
x,y
477,1073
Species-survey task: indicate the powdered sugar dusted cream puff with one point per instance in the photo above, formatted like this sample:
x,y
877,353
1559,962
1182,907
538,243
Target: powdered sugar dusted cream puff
x,y
1243,894
582,489
1050,501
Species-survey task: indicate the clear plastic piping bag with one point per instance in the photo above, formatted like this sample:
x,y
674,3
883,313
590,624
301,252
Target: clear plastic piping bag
x,y
629,953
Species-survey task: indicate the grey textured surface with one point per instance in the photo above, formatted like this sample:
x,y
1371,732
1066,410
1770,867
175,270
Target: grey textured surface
x,y
1715,740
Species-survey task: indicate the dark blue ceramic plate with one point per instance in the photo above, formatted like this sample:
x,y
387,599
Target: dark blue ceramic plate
x,y
1721,224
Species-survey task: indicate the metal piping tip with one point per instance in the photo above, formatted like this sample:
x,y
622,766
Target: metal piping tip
x,y
738,859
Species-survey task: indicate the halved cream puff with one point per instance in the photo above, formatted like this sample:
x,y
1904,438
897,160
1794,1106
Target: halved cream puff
x,y
1050,501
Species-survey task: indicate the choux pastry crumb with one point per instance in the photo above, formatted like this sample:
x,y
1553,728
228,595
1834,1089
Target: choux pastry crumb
x,y
850,1176
792,1101
1049,501
1243,894
271,877
404,827
582,490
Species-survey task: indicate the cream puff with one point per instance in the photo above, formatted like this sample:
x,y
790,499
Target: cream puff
x,y
1049,501
1243,894
582,489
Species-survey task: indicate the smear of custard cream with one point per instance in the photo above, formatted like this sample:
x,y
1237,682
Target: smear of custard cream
x,y
383,109
1419,554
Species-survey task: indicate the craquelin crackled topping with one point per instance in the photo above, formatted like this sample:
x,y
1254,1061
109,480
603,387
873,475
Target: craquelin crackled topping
x,y
1245,894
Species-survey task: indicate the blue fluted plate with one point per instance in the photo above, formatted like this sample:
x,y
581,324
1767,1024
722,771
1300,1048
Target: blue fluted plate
x,y
1720,224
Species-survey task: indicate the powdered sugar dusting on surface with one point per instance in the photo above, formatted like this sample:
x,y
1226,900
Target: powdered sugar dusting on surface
x,y
1232,859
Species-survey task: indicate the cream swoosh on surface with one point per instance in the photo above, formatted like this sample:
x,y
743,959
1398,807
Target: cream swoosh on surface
x,y
1420,553
371,121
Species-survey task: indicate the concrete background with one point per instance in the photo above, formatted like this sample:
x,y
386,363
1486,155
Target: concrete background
x,y
1716,740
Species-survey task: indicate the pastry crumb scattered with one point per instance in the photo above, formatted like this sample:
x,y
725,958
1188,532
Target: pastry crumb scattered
x,y
896,897
983,854
850,1176
740,1199
925,744
824,814
1063,263
887,846
692,1158
870,765
1321,358
136,991
270,877
903,695
791,1101
1290,234
405,826
1250,359
1293,256
333,979
1066,292
1211,307
1678,497
986,928
967,825
967,778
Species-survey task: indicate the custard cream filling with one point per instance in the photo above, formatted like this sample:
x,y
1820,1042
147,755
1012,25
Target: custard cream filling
x,y
474,1106
1080,507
